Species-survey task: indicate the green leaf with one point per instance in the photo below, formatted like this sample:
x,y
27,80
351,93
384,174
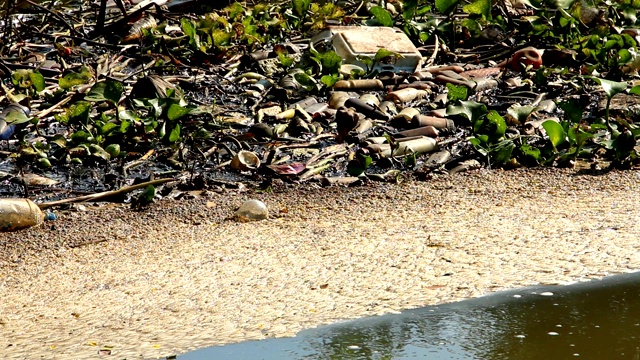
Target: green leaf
x,y
501,153
284,58
611,88
59,140
235,10
300,7
124,126
221,37
357,166
37,80
366,60
99,152
16,117
176,111
305,80
479,7
492,125
78,112
555,132
630,14
564,4
162,132
471,110
382,15
80,136
329,80
175,134
497,122
113,150
409,8
20,78
456,92
331,62
128,115
520,112
189,29
107,128
105,91
446,6
26,78
624,56
635,90
479,144
572,110
582,137
530,151
145,197
384,55
76,78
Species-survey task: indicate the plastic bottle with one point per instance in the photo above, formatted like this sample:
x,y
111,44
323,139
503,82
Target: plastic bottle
x,y
252,210
16,214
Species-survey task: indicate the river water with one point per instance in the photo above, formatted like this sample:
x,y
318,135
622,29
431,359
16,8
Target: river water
x,y
594,320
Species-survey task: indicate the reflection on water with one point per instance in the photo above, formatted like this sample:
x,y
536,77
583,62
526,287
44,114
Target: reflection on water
x,y
595,320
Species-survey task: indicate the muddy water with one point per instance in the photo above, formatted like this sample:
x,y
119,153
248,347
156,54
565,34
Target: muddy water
x,y
595,320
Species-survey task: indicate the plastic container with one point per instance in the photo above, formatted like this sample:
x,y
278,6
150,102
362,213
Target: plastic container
x,y
353,42
252,210
17,214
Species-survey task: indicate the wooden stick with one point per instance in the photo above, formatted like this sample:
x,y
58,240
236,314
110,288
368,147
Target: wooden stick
x,y
105,194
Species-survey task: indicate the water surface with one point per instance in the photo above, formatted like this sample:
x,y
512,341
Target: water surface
x,y
595,320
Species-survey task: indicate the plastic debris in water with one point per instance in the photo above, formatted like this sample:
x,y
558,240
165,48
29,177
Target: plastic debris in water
x,y
252,210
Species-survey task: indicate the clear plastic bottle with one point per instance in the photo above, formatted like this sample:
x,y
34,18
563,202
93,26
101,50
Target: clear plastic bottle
x,y
252,210
16,214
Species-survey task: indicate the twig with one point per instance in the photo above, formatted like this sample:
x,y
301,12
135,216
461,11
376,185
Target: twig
x,y
46,112
105,194
433,56
85,40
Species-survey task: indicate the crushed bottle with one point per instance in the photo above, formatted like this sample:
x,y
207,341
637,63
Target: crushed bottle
x,y
17,214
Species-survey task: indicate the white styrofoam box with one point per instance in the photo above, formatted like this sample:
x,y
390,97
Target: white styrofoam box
x,y
353,41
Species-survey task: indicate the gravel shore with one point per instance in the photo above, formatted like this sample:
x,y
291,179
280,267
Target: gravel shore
x,y
179,275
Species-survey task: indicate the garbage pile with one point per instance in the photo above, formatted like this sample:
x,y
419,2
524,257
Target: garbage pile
x,y
231,95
